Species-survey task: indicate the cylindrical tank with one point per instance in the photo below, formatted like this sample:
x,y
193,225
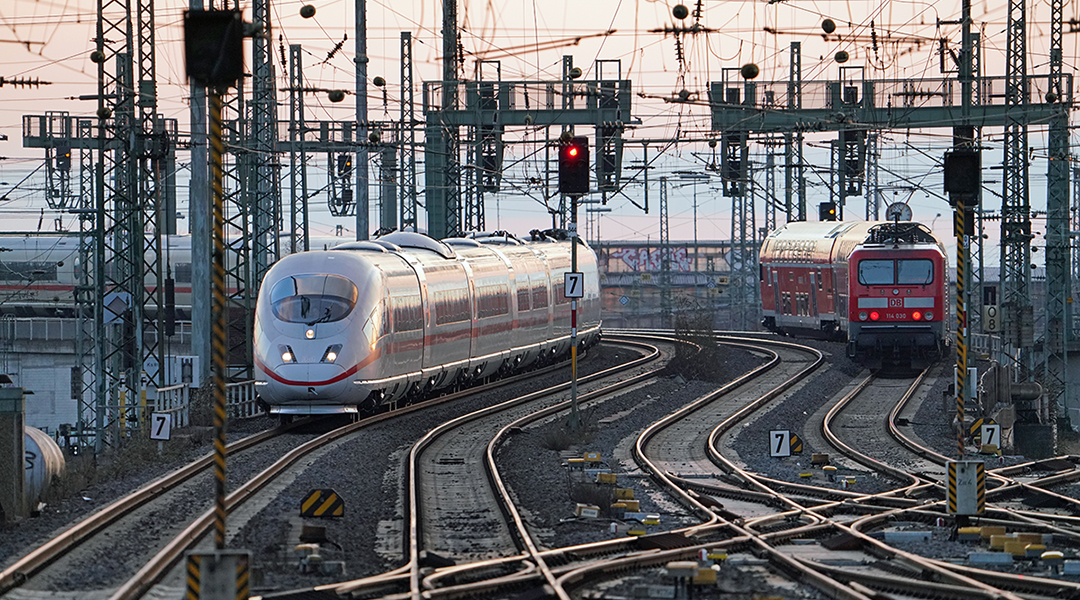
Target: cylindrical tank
x,y
44,459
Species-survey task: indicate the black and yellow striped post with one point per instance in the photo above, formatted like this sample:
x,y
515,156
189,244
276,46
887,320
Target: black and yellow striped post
x,y
213,52
217,337
965,491
218,575
961,324
243,576
194,577
963,183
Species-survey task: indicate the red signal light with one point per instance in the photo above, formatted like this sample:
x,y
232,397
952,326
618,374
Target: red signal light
x,y
874,315
572,152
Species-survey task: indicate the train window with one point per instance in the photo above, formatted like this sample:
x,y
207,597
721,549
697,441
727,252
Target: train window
x,y
914,271
313,299
523,294
540,296
451,306
493,300
876,272
27,271
408,315
820,283
182,272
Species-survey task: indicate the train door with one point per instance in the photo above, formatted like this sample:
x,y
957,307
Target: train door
x,y
776,291
814,279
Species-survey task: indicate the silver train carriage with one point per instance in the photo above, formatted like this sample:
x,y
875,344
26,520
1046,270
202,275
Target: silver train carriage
x,y
404,315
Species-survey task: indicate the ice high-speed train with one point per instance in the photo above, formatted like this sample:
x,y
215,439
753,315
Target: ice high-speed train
x,y
373,322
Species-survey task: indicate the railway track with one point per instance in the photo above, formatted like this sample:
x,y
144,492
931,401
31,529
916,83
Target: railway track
x,y
779,530
563,569
66,557
97,535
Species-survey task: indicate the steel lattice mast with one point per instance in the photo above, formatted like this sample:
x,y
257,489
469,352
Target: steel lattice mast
x,y
665,258
298,193
265,181
442,164
408,137
1058,270
794,172
1015,204
119,238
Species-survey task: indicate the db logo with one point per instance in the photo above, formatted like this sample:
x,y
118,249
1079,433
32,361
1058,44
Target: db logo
x,y
896,302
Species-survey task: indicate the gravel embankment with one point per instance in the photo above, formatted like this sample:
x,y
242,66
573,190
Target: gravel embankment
x,y
367,472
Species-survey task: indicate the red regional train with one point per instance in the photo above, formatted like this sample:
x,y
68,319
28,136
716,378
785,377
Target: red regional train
x,y
881,286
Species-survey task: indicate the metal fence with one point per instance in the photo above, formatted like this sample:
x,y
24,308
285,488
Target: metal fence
x,y
176,400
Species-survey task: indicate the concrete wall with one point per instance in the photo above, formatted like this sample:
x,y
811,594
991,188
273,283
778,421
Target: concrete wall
x,y
49,378
12,450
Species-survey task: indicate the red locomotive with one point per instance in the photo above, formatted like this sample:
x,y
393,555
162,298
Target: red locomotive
x,y
881,286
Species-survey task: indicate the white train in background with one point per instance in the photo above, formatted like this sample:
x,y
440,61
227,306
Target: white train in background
x,y
404,315
39,271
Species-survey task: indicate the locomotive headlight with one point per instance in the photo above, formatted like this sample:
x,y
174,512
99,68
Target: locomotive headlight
x,y
862,315
874,316
287,354
929,315
310,334
331,353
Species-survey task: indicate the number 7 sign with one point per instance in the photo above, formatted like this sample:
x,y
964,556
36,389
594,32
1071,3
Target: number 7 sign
x,y
160,426
574,284
779,443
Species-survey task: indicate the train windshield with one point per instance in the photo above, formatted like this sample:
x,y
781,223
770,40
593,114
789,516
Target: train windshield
x,y
896,272
876,272
914,272
313,299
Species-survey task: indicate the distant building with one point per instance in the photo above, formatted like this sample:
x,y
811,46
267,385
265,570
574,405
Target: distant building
x,y
632,281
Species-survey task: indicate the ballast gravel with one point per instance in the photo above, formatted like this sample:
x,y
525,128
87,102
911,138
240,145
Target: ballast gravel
x,y
368,472
18,538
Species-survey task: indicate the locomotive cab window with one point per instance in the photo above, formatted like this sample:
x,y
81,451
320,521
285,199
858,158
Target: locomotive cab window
x,y
877,272
914,272
896,272
312,299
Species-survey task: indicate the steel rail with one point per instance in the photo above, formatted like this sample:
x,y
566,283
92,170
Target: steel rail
x,y
572,573
159,564
864,538
1003,475
56,547
416,585
778,558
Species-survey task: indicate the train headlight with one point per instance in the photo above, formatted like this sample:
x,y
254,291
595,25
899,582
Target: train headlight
x,y
287,354
862,315
916,315
929,315
310,334
875,315
331,353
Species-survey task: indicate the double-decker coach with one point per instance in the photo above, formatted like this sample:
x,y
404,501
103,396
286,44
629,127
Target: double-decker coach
x,y
881,286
